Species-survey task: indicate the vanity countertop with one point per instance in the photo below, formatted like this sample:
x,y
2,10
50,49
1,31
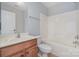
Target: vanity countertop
x,y
6,42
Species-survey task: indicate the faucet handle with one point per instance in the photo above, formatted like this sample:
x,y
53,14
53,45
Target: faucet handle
x,y
77,37
14,30
75,41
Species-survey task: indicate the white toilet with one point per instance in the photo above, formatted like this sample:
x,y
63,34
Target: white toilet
x,y
45,49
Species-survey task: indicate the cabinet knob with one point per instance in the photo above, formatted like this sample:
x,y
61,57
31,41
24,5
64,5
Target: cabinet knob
x,y
22,55
27,52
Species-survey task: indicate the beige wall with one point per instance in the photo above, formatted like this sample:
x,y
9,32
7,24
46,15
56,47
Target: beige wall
x,y
20,21
43,27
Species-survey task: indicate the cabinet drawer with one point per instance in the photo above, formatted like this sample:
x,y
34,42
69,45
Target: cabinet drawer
x,y
30,43
19,54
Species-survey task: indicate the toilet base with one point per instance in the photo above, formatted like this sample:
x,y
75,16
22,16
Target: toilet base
x,y
45,55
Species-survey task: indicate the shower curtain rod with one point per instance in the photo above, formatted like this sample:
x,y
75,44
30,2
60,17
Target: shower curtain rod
x,y
34,17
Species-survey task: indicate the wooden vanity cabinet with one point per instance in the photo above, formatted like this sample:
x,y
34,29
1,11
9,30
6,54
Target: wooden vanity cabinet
x,y
23,49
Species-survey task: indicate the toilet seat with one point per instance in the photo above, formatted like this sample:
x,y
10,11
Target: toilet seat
x,y
45,48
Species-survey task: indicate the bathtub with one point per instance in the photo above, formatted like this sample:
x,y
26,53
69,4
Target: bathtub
x,y
62,50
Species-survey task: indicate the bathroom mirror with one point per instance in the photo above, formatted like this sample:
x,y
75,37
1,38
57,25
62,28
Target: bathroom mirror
x,y
19,17
13,15
0,18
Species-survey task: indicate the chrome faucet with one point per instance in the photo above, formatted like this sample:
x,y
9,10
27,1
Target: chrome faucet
x,y
18,35
75,42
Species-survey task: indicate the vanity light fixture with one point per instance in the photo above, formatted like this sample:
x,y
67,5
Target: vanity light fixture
x,y
20,3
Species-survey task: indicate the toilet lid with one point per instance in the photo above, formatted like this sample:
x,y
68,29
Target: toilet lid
x,y
45,46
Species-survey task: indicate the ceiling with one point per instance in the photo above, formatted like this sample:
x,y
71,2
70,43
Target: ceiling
x,y
23,6
50,4
18,5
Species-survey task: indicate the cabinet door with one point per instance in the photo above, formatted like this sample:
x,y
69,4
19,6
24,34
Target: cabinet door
x,y
19,54
32,52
